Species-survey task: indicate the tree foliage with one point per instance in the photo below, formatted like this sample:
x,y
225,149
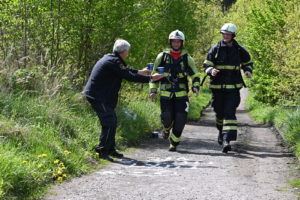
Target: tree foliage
x,y
270,30
71,36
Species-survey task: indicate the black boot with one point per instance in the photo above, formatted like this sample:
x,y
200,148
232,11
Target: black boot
x,y
116,154
226,146
172,148
103,154
220,138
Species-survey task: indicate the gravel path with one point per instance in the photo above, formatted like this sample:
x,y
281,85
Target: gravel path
x,y
257,168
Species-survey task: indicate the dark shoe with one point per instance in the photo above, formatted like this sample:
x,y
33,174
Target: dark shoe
x,y
220,138
226,146
166,133
116,154
104,156
172,148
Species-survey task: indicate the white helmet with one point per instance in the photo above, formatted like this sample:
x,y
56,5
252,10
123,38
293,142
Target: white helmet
x,y
177,34
229,28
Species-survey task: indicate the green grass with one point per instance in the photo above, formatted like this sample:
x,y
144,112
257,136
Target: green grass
x,y
286,119
48,139
198,103
295,183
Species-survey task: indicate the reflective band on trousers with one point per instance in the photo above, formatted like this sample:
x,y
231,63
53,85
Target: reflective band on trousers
x,y
174,138
234,121
229,128
230,67
219,121
240,85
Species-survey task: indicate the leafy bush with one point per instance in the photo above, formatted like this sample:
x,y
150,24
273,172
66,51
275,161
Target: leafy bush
x,y
269,29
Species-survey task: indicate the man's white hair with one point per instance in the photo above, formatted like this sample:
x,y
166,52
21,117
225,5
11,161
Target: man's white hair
x,y
121,45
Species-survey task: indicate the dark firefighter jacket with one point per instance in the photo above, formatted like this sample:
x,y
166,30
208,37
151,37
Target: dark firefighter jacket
x,y
229,60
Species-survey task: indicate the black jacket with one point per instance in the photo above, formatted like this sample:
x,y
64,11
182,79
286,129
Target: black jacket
x,y
105,80
229,60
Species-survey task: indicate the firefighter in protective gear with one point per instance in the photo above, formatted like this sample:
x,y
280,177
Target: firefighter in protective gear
x,y
223,64
174,87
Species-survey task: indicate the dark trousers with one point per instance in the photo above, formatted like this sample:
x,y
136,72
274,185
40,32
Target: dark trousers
x,y
108,120
225,103
174,116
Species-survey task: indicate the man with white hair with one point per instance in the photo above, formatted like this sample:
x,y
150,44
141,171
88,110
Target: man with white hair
x,y
102,91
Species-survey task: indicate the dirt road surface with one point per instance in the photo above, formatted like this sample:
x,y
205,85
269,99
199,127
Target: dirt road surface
x,y
258,168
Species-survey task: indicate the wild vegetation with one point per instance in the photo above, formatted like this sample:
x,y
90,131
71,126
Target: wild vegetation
x,y
48,48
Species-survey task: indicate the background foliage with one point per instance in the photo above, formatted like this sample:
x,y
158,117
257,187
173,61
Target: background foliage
x,y
48,48
270,30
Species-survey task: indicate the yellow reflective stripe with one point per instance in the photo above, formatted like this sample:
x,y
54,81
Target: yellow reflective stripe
x,y
231,67
165,93
181,94
229,128
195,75
196,84
181,75
219,123
174,138
209,63
246,63
240,85
152,85
230,121
215,86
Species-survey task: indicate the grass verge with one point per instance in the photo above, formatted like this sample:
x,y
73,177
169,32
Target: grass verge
x,y
198,103
287,120
48,139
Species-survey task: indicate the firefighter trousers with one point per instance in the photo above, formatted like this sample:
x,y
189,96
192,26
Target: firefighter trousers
x,y
174,116
225,103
